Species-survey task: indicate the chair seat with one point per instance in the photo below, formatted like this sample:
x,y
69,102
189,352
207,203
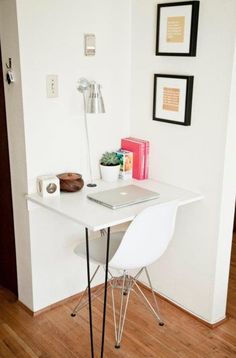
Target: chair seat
x,y
97,248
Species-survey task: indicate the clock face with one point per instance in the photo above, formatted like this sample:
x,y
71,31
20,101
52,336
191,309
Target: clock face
x,y
51,188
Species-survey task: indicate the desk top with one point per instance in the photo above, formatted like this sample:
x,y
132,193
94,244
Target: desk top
x,y
77,207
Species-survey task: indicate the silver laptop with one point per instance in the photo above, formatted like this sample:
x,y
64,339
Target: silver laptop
x,y
123,196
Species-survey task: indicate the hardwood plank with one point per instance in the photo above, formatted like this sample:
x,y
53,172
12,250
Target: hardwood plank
x,y
56,334
5,351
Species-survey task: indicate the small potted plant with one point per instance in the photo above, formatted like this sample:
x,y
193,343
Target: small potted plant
x,y
110,166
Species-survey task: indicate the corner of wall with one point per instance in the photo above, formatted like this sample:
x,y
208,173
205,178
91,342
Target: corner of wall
x,y
17,152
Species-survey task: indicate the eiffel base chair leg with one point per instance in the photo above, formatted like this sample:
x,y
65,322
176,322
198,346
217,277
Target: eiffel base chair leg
x,y
154,309
83,301
122,283
126,284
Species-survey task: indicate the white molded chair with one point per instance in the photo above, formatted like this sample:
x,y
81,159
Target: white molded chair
x,y
145,240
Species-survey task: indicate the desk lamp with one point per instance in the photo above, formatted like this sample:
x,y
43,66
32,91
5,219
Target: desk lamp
x,y
93,103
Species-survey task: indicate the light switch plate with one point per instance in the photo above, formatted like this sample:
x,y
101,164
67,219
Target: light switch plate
x,y
89,45
52,86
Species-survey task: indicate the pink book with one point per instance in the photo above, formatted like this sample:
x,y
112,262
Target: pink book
x,y
138,149
146,156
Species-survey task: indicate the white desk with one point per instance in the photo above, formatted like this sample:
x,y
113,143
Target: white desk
x,y
77,207
93,216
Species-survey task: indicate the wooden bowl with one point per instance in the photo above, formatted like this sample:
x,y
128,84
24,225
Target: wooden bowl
x,y
70,182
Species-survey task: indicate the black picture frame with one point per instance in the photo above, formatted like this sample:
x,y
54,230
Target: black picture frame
x,y
176,32
172,99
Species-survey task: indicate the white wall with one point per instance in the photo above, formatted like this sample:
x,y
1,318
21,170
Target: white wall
x,y
16,139
51,36
228,197
194,271
51,42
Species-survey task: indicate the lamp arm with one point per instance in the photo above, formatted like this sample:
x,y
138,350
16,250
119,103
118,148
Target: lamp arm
x,y
87,137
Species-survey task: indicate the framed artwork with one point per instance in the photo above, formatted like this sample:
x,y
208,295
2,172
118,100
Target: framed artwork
x,y
172,100
177,25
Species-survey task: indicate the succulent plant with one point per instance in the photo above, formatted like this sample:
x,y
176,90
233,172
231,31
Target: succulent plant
x,y
109,159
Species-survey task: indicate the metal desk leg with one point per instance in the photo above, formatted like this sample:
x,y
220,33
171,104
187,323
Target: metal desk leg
x,y
89,294
105,292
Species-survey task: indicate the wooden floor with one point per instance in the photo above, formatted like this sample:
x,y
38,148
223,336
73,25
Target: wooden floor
x,y
231,306
56,334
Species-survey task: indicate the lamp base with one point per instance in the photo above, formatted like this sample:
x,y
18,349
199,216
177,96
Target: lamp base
x,y
91,185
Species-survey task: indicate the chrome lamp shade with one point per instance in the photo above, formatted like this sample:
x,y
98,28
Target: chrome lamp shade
x,y
95,102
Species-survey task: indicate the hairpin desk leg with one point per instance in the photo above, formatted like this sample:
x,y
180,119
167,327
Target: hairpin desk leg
x,y
105,292
89,294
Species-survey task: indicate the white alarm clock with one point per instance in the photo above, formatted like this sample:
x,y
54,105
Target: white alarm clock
x,y
48,186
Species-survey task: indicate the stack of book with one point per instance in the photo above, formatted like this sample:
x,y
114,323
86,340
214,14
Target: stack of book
x,y
140,149
126,163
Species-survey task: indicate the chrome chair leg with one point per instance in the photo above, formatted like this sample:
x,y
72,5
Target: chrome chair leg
x,y
126,287
81,304
128,284
161,323
119,323
155,311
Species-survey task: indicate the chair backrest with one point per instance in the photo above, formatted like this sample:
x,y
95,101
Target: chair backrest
x,y
147,237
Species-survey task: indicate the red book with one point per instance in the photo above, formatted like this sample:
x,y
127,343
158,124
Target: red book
x,y
146,156
138,149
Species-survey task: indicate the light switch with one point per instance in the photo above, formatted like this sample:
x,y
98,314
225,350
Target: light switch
x,y
52,86
89,45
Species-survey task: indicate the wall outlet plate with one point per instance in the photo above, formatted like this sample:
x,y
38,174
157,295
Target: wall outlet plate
x,y
89,45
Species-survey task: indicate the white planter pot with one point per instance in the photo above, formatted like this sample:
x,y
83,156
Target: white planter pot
x,y
110,173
